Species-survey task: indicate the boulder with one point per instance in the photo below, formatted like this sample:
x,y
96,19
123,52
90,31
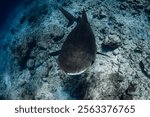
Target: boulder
x,y
111,42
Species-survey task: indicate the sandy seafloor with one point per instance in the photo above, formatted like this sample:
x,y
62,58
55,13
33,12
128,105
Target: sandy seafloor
x,y
121,29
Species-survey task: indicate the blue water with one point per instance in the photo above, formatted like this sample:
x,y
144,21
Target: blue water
x,y
7,14
6,7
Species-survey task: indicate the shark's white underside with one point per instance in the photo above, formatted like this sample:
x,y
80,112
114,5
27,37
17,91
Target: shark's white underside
x,y
77,73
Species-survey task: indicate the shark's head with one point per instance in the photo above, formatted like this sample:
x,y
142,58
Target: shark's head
x,y
75,62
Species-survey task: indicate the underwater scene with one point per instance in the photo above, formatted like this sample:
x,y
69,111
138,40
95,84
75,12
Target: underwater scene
x,y
75,50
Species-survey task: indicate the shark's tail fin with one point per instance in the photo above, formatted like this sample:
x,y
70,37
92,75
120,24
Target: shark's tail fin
x,y
69,16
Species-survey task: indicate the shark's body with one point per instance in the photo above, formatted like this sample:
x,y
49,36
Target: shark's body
x,y
79,50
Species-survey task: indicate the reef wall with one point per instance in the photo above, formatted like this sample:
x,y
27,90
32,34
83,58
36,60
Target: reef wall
x,y
121,29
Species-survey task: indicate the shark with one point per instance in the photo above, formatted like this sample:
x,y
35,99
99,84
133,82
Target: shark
x,y
79,50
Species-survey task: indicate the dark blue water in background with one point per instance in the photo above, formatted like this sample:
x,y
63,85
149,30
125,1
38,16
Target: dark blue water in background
x,y
7,13
6,8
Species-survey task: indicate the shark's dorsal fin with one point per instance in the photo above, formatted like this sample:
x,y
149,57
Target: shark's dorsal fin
x,y
69,16
84,16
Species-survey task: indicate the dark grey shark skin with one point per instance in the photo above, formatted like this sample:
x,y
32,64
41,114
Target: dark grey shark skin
x,y
79,50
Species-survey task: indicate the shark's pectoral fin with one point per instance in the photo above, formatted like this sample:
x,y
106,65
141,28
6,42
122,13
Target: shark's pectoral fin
x,y
69,16
56,53
102,54
70,23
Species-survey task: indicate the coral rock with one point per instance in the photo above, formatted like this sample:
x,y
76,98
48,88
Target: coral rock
x,y
112,42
